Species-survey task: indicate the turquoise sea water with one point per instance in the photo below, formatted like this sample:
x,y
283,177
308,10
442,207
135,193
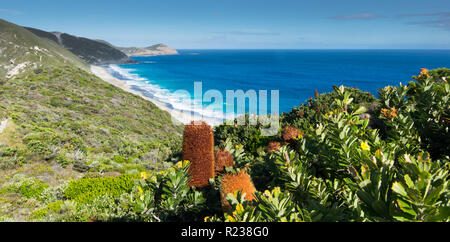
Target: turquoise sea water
x,y
295,73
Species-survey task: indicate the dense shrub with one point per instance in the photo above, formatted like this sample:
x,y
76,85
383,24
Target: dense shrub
x,y
32,188
27,187
12,157
167,196
86,190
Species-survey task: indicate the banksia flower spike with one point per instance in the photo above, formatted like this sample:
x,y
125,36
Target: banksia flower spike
x,y
316,93
424,72
289,135
223,159
389,113
273,146
198,148
301,113
231,183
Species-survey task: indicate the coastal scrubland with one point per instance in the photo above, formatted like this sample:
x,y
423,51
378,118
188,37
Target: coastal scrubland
x,y
62,123
340,156
75,148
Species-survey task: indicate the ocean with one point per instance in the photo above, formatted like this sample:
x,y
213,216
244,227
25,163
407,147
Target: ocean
x,y
295,73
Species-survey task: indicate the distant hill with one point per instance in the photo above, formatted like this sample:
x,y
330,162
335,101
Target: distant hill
x,y
91,51
21,51
106,43
159,49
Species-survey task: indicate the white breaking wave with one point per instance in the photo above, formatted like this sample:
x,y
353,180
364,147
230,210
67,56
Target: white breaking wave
x,y
191,109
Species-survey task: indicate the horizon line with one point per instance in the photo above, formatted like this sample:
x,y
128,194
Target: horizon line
x,y
311,49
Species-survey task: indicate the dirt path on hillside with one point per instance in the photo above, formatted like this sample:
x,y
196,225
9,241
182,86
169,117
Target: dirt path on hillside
x,y
3,125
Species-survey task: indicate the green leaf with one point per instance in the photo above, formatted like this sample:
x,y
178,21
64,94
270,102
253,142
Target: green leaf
x,y
365,197
408,181
380,208
398,188
433,195
405,207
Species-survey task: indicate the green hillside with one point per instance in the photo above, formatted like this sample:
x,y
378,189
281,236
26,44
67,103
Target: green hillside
x,y
63,123
20,50
91,51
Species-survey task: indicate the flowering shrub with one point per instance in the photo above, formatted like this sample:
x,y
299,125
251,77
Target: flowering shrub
x,y
349,168
356,158
166,196
422,112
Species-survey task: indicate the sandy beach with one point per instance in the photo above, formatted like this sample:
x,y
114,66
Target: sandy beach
x,y
177,116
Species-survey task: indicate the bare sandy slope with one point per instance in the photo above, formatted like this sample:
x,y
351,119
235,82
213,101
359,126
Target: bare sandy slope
x,y
3,125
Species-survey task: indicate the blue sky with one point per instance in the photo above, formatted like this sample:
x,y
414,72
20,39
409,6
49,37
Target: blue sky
x,y
244,24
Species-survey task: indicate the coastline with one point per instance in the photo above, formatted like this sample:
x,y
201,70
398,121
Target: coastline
x,y
177,116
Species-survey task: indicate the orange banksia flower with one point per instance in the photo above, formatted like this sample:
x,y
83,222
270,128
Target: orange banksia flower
x,y
389,113
198,148
273,146
316,93
223,159
289,135
301,113
424,72
231,183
